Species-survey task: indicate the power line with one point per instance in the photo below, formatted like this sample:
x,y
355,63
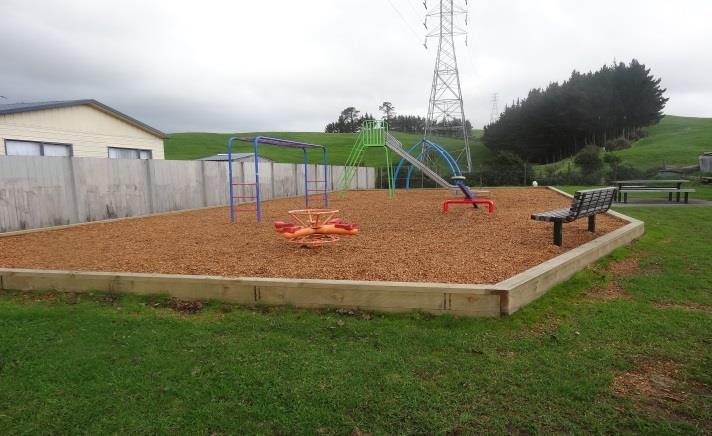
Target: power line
x,y
412,8
404,20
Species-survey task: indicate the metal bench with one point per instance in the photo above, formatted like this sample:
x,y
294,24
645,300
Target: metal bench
x,y
587,203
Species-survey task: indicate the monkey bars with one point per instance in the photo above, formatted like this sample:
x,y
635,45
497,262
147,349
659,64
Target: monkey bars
x,y
256,141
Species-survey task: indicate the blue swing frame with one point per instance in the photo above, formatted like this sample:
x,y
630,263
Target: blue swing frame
x,y
429,145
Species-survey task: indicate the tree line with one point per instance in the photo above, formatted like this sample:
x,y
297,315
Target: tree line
x,y
350,119
592,108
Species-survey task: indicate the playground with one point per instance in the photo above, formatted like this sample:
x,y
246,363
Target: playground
x,y
407,239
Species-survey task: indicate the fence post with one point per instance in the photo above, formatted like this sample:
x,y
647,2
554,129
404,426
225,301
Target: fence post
x,y
271,171
295,171
243,187
75,191
150,186
331,176
204,182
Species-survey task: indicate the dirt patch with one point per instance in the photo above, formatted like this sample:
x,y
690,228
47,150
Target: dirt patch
x,y
108,298
177,305
688,306
625,267
547,325
50,297
189,307
405,239
654,381
657,387
40,297
612,291
354,313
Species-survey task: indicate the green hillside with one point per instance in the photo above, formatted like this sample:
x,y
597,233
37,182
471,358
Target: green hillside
x,y
674,141
197,145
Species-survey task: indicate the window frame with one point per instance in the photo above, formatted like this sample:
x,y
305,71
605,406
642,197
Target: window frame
x,y
42,146
138,150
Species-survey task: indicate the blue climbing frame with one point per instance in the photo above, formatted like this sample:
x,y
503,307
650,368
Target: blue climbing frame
x,y
256,141
427,146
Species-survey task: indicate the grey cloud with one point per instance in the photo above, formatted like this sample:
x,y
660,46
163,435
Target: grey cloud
x,y
284,65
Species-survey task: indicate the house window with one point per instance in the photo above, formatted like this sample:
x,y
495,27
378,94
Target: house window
x,y
129,153
32,148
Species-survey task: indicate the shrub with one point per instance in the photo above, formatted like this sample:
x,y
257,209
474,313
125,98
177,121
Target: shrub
x,y
590,163
617,144
614,162
625,172
637,134
507,168
563,178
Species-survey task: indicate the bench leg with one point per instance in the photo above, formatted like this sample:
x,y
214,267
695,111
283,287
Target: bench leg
x,y
686,197
592,223
670,196
678,197
558,234
625,197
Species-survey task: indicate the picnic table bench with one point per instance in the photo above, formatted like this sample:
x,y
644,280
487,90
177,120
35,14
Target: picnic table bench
x,y
706,180
670,186
586,203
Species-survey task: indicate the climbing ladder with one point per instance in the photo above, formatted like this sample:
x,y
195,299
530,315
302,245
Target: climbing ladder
x,y
316,186
373,134
240,195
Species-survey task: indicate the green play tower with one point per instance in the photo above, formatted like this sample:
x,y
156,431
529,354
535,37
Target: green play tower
x,y
373,134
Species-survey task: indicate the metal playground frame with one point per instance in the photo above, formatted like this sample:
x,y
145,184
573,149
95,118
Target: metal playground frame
x,y
256,141
426,146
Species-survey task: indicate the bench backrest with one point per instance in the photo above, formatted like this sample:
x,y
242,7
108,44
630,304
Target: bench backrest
x,y
591,201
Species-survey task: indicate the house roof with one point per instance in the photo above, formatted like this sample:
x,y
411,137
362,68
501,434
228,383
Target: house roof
x,y
222,157
13,108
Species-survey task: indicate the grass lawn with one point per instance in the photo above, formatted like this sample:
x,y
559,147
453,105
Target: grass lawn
x,y
197,145
624,346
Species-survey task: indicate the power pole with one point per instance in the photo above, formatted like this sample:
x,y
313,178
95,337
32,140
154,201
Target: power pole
x,y
445,109
494,112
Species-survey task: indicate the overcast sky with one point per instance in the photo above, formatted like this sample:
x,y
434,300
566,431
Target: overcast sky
x,y
286,65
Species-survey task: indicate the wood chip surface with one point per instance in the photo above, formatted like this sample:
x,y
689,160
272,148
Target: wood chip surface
x,y
405,239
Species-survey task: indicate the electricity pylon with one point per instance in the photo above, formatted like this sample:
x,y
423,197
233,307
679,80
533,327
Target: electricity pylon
x,y
494,111
445,109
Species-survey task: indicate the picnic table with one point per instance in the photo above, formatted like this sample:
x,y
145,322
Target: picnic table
x,y
669,186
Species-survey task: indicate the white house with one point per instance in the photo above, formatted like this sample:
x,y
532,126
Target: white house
x,y
82,128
